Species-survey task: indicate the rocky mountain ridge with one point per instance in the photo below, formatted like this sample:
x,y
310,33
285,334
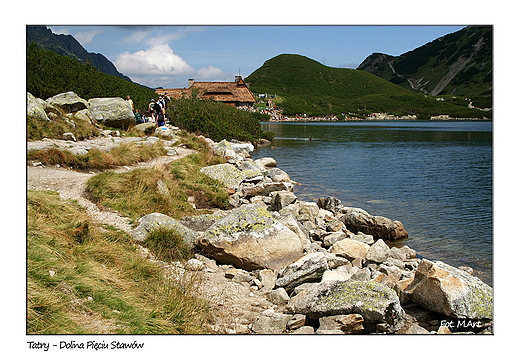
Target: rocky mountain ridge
x,y
456,64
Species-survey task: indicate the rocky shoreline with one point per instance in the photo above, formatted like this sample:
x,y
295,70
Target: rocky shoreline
x,y
321,268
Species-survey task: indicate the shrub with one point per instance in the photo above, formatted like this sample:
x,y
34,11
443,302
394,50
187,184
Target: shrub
x,y
215,120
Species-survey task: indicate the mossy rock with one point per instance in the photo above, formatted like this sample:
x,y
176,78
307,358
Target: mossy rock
x,y
377,303
250,238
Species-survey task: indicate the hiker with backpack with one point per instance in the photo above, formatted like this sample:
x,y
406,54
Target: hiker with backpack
x,y
159,111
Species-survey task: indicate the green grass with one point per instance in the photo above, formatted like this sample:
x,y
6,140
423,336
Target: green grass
x,y
84,279
308,87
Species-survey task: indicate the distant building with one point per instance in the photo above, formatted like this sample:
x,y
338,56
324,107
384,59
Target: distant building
x,y
233,93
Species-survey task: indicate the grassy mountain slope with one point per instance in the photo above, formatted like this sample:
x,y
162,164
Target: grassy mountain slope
x,y
49,73
456,64
315,89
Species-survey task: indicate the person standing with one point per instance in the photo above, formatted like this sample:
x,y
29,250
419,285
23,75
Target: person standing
x,y
159,114
151,109
130,101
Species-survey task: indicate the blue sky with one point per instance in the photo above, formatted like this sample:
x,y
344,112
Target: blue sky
x,y
168,55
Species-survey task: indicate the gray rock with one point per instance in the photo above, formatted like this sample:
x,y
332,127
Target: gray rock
x,y
250,238
363,274
264,189
278,175
238,147
333,238
350,249
335,275
279,296
304,330
113,112
148,126
36,107
403,253
296,322
367,239
270,322
266,162
291,222
450,291
194,265
69,101
347,324
281,199
378,304
227,174
309,268
164,131
356,219
155,221
204,221
330,203
268,278
378,252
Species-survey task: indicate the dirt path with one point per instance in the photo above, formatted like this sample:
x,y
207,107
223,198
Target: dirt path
x,y
71,184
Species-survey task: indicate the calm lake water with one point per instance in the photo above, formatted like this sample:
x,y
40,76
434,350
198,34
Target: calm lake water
x,y
434,177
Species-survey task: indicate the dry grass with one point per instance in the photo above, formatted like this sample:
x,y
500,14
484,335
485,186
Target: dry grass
x,y
124,154
163,189
85,279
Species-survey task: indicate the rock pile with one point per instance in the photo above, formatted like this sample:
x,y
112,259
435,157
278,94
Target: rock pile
x,y
325,268
113,112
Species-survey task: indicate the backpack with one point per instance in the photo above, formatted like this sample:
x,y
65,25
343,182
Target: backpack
x,y
157,108
151,106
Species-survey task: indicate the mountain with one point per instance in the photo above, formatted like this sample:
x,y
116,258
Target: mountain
x,y
459,63
67,45
307,86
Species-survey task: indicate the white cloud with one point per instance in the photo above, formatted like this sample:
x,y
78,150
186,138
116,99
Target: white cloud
x,y
157,60
84,37
211,72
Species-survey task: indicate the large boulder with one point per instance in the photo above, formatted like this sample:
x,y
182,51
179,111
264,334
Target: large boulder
x,y
250,238
379,227
113,112
36,107
450,291
69,101
227,174
378,304
155,221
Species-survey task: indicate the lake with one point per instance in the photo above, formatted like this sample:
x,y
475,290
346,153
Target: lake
x,y
434,177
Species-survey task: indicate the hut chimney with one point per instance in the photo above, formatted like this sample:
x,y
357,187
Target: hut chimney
x,y
191,82
238,78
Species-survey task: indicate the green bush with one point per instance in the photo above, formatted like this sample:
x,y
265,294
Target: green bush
x,y
216,120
